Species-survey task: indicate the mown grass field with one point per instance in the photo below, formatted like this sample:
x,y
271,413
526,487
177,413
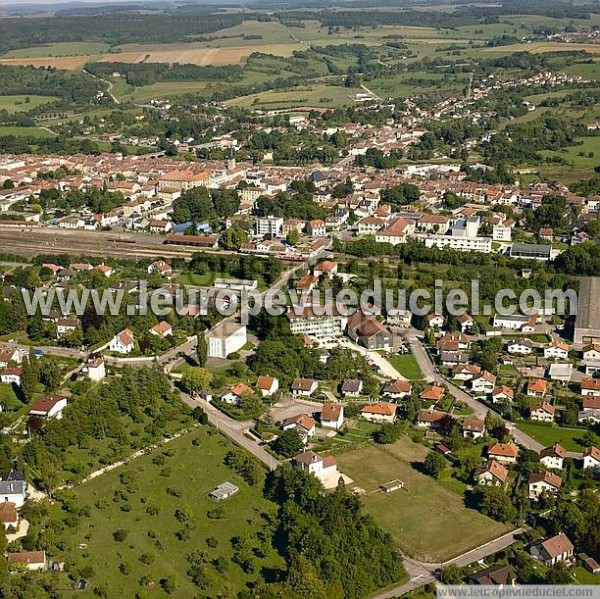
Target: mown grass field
x,y
407,366
25,131
14,104
570,438
427,520
178,476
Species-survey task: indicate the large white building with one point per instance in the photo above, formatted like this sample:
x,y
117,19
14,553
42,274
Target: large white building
x,y
316,321
268,225
225,338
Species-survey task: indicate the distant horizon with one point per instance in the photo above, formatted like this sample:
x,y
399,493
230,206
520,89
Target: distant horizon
x,y
15,4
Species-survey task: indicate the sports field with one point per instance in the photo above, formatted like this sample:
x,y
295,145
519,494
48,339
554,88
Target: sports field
x,y
427,520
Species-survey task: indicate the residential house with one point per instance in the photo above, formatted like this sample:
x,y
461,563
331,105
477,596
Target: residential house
x,y
379,412
435,321
537,388
397,389
556,350
589,387
553,550
429,418
433,393
95,369
543,412
497,575
33,561
505,453
591,459
13,491
267,385
50,406
332,416
10,355
352,388
491,474
553,457
160,268
543,482
303,424
162,329
502,395
465,372
324,468
304,387
65,326
236,393
325,267
8,514
473,428
11,376
122,343
523,347
485,382
466,322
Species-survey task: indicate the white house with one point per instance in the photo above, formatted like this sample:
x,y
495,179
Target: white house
x,y
10,355
379,412
225,338
352,387
96,369
553,457
11,376
543,412
33,561
553,550
304,387
491,474
303,424
267,385
397,389
543,482
473,428
505,453
435,321
522,347
502,394
122,343
591,459
332,416
162,329
321,467
50,406
484,382
13,491
556,350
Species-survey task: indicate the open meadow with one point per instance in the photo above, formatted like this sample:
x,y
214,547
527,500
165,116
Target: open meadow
x,y
147,518
426,519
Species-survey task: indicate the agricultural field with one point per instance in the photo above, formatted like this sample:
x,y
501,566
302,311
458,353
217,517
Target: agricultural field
x,y
60,49
570,438
133,536
427,520
23,103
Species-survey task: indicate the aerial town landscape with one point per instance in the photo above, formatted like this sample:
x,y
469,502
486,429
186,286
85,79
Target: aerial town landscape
x,y
299,299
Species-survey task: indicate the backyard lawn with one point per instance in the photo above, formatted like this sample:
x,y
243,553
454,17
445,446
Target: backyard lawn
x,y
570,438
427,519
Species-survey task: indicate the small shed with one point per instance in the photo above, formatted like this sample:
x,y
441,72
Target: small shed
x,y
224,491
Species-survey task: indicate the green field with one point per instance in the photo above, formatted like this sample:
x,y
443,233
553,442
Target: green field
x,y
407,366
25,131
59,49
123,498
20,104
327,96
590,148
570,438
427,520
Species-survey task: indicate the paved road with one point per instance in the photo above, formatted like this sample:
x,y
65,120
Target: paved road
x,y
422,573
233,429
479,409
